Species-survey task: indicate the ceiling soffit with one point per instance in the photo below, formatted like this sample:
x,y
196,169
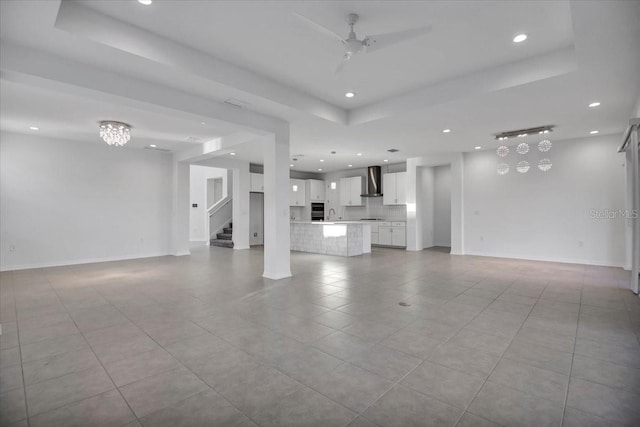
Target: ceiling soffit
x,y
75,18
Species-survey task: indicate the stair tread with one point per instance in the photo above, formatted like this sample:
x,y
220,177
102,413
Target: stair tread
x,y
221,243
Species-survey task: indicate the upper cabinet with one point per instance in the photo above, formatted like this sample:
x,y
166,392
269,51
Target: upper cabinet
x,y
394,188
256,183
351,191
316,190
296,192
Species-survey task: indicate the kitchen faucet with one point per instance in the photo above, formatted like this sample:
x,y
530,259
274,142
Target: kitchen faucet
x,y
331,210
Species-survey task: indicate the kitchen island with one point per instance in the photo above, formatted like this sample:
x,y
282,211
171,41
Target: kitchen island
x,y
341,238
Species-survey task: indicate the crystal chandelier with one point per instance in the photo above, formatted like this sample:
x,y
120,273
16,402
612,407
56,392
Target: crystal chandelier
x,y
115,133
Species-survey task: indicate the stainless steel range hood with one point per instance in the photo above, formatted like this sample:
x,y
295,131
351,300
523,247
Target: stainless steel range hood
x,y
374,182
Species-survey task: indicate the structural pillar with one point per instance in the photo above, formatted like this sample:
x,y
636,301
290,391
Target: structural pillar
x,y
180,209
414,219
240,215
277,259
457,205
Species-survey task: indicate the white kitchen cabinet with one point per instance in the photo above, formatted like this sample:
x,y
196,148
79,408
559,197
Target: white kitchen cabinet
x,y
256,183
384,236
398,236
315,190
296,192
350,191
391,234
375,233
394,188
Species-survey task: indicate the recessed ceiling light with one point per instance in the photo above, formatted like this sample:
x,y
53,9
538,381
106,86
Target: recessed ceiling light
x,y
358,154
446,130
385,160
321,160
145,2
594,104
478,147
319,169
593,132
153,145
232,154
34,128
350,166
291,165
519,38
350,94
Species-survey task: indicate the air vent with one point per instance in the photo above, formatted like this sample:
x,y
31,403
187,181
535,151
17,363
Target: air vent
x,y
236,102
192,139
393,150
157,149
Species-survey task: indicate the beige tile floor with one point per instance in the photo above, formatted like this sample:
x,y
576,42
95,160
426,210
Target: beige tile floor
x,y
205,341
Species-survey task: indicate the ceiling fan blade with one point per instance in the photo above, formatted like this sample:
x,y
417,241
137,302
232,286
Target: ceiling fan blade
x,y
319,28
345,58
381,41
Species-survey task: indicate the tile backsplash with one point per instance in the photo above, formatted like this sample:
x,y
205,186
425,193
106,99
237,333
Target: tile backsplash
x,y
373,208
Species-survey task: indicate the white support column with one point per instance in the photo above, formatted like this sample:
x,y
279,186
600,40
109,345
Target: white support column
x,y
635,185
240,214
180,209
277,259
414,215
457,205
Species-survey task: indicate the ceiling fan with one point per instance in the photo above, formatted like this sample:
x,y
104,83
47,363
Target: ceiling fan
x,y
353,46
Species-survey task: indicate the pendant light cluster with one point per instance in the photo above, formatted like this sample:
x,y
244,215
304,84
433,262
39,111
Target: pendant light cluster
x,y
523,150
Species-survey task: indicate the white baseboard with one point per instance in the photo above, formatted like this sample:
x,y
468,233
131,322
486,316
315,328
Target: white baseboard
x,y
276,276
181,253
80,261
598,263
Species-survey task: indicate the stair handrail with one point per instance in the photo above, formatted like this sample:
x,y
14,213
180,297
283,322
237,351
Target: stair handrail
x,y
218,205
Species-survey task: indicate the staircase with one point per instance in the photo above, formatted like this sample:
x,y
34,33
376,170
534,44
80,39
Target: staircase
x,y
224,239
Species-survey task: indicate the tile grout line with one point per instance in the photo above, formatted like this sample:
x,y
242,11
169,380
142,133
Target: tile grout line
x,y
501,356
421,363
182,365
573,355
97,358
24,385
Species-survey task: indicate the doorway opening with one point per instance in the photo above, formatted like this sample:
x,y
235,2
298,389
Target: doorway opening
x,y
435,207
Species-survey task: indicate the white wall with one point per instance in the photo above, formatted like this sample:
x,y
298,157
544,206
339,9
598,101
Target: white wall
x,y
546,216
442,206
199,217
65,202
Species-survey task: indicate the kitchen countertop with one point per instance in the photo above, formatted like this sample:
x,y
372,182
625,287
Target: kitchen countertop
x,y
340,221
342,238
